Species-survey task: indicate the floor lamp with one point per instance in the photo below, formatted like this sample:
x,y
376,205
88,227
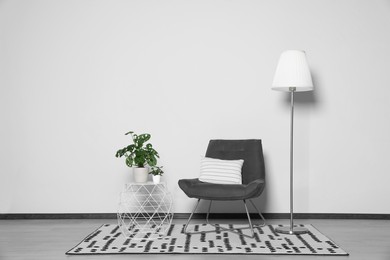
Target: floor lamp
x,y
292,75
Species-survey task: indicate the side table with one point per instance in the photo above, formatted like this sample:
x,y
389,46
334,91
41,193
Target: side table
x,y
145,210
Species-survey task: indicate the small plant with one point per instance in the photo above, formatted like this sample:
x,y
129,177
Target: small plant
x,y
157,170
140,153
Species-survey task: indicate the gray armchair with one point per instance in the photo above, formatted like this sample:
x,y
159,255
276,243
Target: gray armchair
x,y
253,177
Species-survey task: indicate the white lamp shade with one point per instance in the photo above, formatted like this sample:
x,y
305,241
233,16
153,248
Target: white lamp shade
x,y
292,71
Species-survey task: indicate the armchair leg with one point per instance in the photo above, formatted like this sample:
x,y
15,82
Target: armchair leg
x,y
233,230
208,212
207,220
258,212
249,219
192,213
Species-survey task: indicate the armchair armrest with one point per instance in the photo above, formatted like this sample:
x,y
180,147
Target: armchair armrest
x,y
255,188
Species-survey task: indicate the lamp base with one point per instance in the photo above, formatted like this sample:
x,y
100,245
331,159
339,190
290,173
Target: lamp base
x,y
291,231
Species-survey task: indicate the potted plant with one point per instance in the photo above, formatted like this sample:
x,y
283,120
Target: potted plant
x,y
139,154
157,172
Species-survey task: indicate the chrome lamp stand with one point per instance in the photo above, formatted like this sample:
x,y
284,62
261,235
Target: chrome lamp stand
x,y
292,230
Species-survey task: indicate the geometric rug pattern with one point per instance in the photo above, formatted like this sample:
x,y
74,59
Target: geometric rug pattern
x,y
108,239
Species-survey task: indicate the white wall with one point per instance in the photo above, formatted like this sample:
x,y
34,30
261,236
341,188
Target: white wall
x,y
76,75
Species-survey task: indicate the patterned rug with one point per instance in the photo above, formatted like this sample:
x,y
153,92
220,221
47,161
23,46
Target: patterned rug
x,y
108,239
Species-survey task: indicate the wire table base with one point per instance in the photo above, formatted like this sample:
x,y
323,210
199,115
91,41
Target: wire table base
x,y
145,211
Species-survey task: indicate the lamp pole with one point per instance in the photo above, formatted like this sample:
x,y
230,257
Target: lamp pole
x,y
292,90
291,230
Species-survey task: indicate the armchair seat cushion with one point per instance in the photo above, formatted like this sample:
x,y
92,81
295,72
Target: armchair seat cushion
x,y
194,188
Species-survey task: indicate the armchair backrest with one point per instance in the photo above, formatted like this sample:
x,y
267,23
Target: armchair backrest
x,y
250,151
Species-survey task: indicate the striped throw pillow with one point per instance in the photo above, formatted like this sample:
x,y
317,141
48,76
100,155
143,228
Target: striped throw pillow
x,y
220,171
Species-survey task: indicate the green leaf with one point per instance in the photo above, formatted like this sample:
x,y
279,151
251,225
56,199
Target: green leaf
x,y
146,137
135,138
120,153
131,132
152,161
129,161
130,148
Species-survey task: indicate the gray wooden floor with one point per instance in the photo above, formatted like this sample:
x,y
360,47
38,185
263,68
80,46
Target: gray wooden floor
x,y
50,239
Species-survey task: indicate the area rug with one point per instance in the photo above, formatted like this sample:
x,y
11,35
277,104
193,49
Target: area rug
x,y
108,239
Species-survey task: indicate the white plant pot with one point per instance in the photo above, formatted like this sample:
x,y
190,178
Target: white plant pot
x,y
140,174
156,179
